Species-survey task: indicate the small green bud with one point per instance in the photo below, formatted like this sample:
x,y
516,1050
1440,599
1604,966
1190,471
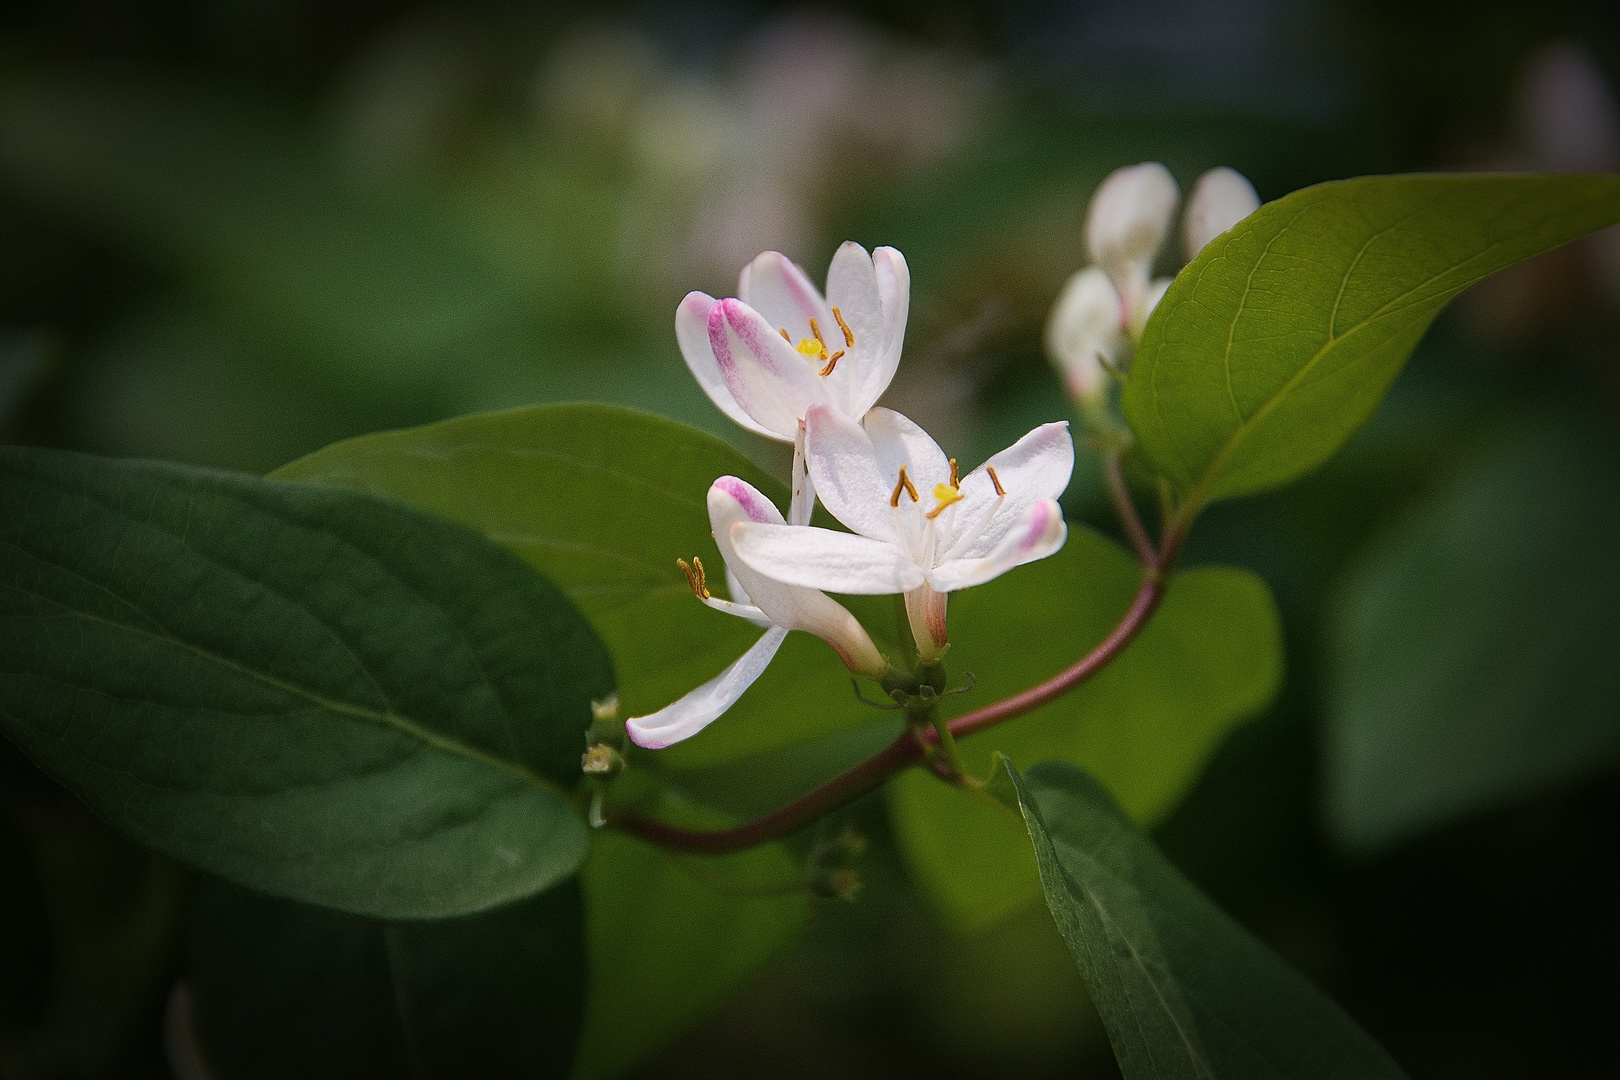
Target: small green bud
x,y
603,761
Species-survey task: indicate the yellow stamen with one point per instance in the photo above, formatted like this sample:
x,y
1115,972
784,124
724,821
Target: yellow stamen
x,y
695,578
903,484
832,362
849,335
991,470
946,494
785,335
815,332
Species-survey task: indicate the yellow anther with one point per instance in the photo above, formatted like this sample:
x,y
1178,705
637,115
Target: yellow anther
x,y
946,494
832,362
994,480
811,347
849,335
815,332
903,484
787,337
695,578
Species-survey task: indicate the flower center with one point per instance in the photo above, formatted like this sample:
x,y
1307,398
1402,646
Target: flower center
x,y
815,346
947,493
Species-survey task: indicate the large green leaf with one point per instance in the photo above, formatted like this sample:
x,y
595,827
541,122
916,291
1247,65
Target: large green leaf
x,y
671,937
1275,344
306,690
1183,990
1145,725
284,989
603,500
1473,657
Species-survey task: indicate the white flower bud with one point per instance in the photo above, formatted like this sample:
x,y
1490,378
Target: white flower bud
x,y
1127,222
1143,304
1084,330
1221,198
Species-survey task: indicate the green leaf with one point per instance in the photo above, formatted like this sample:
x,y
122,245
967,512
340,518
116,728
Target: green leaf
x,y
603,500
284,989
1278,341
306,690
671,937
1473,652
1145,725
1182,989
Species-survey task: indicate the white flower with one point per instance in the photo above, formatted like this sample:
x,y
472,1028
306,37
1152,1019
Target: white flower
x,y
1221,198
1129,217
1085,333
779,348
920,528
772,604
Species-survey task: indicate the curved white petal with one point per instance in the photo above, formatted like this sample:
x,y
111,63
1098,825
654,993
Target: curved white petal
x,y
771,381
1220,199
1036,467
1084,330
774,286
698,709
1038,533
852,289
1128,219
733,501
844,467
692,333
898,441
894,291
823,559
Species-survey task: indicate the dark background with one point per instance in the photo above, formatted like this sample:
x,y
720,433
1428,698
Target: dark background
x,y
233,232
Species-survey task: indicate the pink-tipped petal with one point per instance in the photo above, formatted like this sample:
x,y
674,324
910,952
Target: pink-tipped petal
x,y
1036,467
771,381
823,559
784,295
1038,533
698,709
692,333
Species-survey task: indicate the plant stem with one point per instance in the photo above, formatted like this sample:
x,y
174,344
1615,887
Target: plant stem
x,y
914,743
1120,492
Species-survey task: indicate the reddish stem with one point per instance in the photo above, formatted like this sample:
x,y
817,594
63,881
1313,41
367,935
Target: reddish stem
x,y
914,744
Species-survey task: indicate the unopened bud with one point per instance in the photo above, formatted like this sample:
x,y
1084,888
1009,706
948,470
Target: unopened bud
x,y
606,710
602,760
1144,303
1127,222
1221,198
1084,336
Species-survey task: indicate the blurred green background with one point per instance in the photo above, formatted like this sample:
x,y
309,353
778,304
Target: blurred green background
x,y
233,231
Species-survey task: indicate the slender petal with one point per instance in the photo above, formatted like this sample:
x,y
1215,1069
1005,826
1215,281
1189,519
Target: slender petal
x,y
844,466
803,488
698,709
774,286
733,501
692,332
1038,533
770,380
894,290
1036,467
823,559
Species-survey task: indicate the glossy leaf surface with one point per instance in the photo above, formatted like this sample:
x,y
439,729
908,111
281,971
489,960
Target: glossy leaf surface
x,y
306,690
1182,989
1278,341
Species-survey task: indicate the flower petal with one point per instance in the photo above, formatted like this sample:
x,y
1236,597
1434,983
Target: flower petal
x,y
897,441
698,709
1084,330
1036,467
823,559
1127,221
733,501
692,332
1038,533
771,381
894,291
844,467
774,286
852,289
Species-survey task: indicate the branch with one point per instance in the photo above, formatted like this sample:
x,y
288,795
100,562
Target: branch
x,y
1120,492
914,744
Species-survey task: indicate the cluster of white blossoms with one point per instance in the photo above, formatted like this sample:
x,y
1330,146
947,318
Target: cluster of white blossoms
x,y
787,362
1102,309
